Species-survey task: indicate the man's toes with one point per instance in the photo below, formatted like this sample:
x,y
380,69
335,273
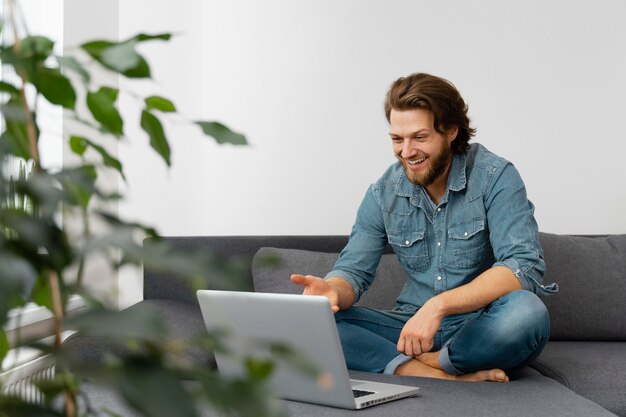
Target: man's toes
x,y
494,375
498,376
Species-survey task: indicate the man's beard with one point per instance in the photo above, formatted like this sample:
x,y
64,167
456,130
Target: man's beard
x,y
436,168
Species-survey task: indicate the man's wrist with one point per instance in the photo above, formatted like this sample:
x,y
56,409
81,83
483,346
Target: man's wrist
x,y
438,304
343,289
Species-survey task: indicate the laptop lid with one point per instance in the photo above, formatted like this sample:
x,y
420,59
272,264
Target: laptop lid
x,y
256,321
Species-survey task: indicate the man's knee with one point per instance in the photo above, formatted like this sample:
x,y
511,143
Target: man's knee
x,y
521,317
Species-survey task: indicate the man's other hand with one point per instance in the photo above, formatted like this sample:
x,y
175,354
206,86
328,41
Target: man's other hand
x,y
317,286
419,332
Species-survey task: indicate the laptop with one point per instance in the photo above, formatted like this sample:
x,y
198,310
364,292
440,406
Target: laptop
x,y
254,321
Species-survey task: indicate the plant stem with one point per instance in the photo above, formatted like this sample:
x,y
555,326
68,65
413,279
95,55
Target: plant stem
x,y
57,306
57,309
31,132
86,234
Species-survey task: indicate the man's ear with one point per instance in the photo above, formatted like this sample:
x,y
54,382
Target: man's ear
x,y
452,133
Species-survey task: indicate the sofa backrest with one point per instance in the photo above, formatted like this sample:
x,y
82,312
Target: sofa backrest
x,y
591,273
161,285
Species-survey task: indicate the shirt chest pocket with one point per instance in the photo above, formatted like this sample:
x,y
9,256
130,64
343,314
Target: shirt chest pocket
x,y
411,248
468,244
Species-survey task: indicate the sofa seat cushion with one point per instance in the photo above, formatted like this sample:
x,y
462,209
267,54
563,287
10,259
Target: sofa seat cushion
x,y
591,274
183,322
595,370
532,395
274,277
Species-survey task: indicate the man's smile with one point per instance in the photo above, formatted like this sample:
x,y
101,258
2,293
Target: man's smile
x,y
415,161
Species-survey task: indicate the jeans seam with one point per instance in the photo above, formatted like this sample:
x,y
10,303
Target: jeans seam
x,y
456,336
462,330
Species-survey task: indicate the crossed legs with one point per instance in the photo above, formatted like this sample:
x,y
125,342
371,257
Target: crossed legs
x,y
478,346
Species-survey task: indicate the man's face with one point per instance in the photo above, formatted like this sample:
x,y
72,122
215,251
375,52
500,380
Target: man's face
x,y
424,152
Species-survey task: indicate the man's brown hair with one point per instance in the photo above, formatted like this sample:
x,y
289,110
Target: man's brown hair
x,y
440,96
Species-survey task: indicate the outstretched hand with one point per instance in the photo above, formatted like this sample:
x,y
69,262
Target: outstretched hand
x,y
317,286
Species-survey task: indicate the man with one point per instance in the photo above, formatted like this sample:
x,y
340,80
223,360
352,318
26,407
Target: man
x,y
458,218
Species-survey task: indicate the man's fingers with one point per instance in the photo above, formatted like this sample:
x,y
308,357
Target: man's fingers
x,y
401,344
413,347
301,279
408,347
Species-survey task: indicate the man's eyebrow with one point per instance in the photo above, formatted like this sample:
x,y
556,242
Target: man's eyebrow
x,y
412,134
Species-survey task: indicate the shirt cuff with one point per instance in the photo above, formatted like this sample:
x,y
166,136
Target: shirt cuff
x,y
349,279
528,283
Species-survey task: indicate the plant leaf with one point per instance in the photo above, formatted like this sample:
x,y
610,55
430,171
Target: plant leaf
x,y
102,106
18,278
34,235
259,370
120,57
16,407
42,295
36,46
4,344
142,37
110,92
55,87
81,144
142,70
8,88
14,139
160,103
79,183
69,62
221,133
238,397
154,129
107,159
155,392
78,145
94,48
143,324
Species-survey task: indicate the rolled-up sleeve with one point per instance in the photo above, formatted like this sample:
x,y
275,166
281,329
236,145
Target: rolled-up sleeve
x,y
358,261
513,230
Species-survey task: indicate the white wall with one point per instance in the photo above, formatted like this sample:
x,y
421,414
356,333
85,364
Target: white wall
x,y
86,20
305,82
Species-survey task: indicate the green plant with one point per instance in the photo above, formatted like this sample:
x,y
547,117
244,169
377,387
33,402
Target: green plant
x,y
41,261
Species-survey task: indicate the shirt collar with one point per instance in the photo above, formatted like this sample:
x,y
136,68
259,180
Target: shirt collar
x,y
457,179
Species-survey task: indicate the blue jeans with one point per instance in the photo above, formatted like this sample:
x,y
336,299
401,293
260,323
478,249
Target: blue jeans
x,y
507,334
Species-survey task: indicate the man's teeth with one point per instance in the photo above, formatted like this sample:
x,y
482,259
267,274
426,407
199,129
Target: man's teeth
x,y
416,161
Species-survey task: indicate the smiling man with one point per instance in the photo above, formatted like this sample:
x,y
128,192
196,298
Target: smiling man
x,y
458,218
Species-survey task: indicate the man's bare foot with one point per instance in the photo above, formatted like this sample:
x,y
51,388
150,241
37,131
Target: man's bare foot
x,y
431,359
415,367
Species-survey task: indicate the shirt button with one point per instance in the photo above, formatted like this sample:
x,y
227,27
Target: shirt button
x,y
439,278
465,234
438,243
439,209
407,242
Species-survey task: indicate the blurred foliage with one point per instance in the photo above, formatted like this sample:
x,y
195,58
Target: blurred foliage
x,y
41,261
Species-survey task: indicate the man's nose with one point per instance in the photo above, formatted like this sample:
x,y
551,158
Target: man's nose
x,y
408,148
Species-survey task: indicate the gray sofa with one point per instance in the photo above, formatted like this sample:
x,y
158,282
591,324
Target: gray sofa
x,y
582,371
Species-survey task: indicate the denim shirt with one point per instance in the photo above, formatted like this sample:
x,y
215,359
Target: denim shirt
x,y
483,220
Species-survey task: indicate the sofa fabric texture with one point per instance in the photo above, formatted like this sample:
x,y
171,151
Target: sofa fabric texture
x,y
582,371
381,295
591,273
532,395
592,369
